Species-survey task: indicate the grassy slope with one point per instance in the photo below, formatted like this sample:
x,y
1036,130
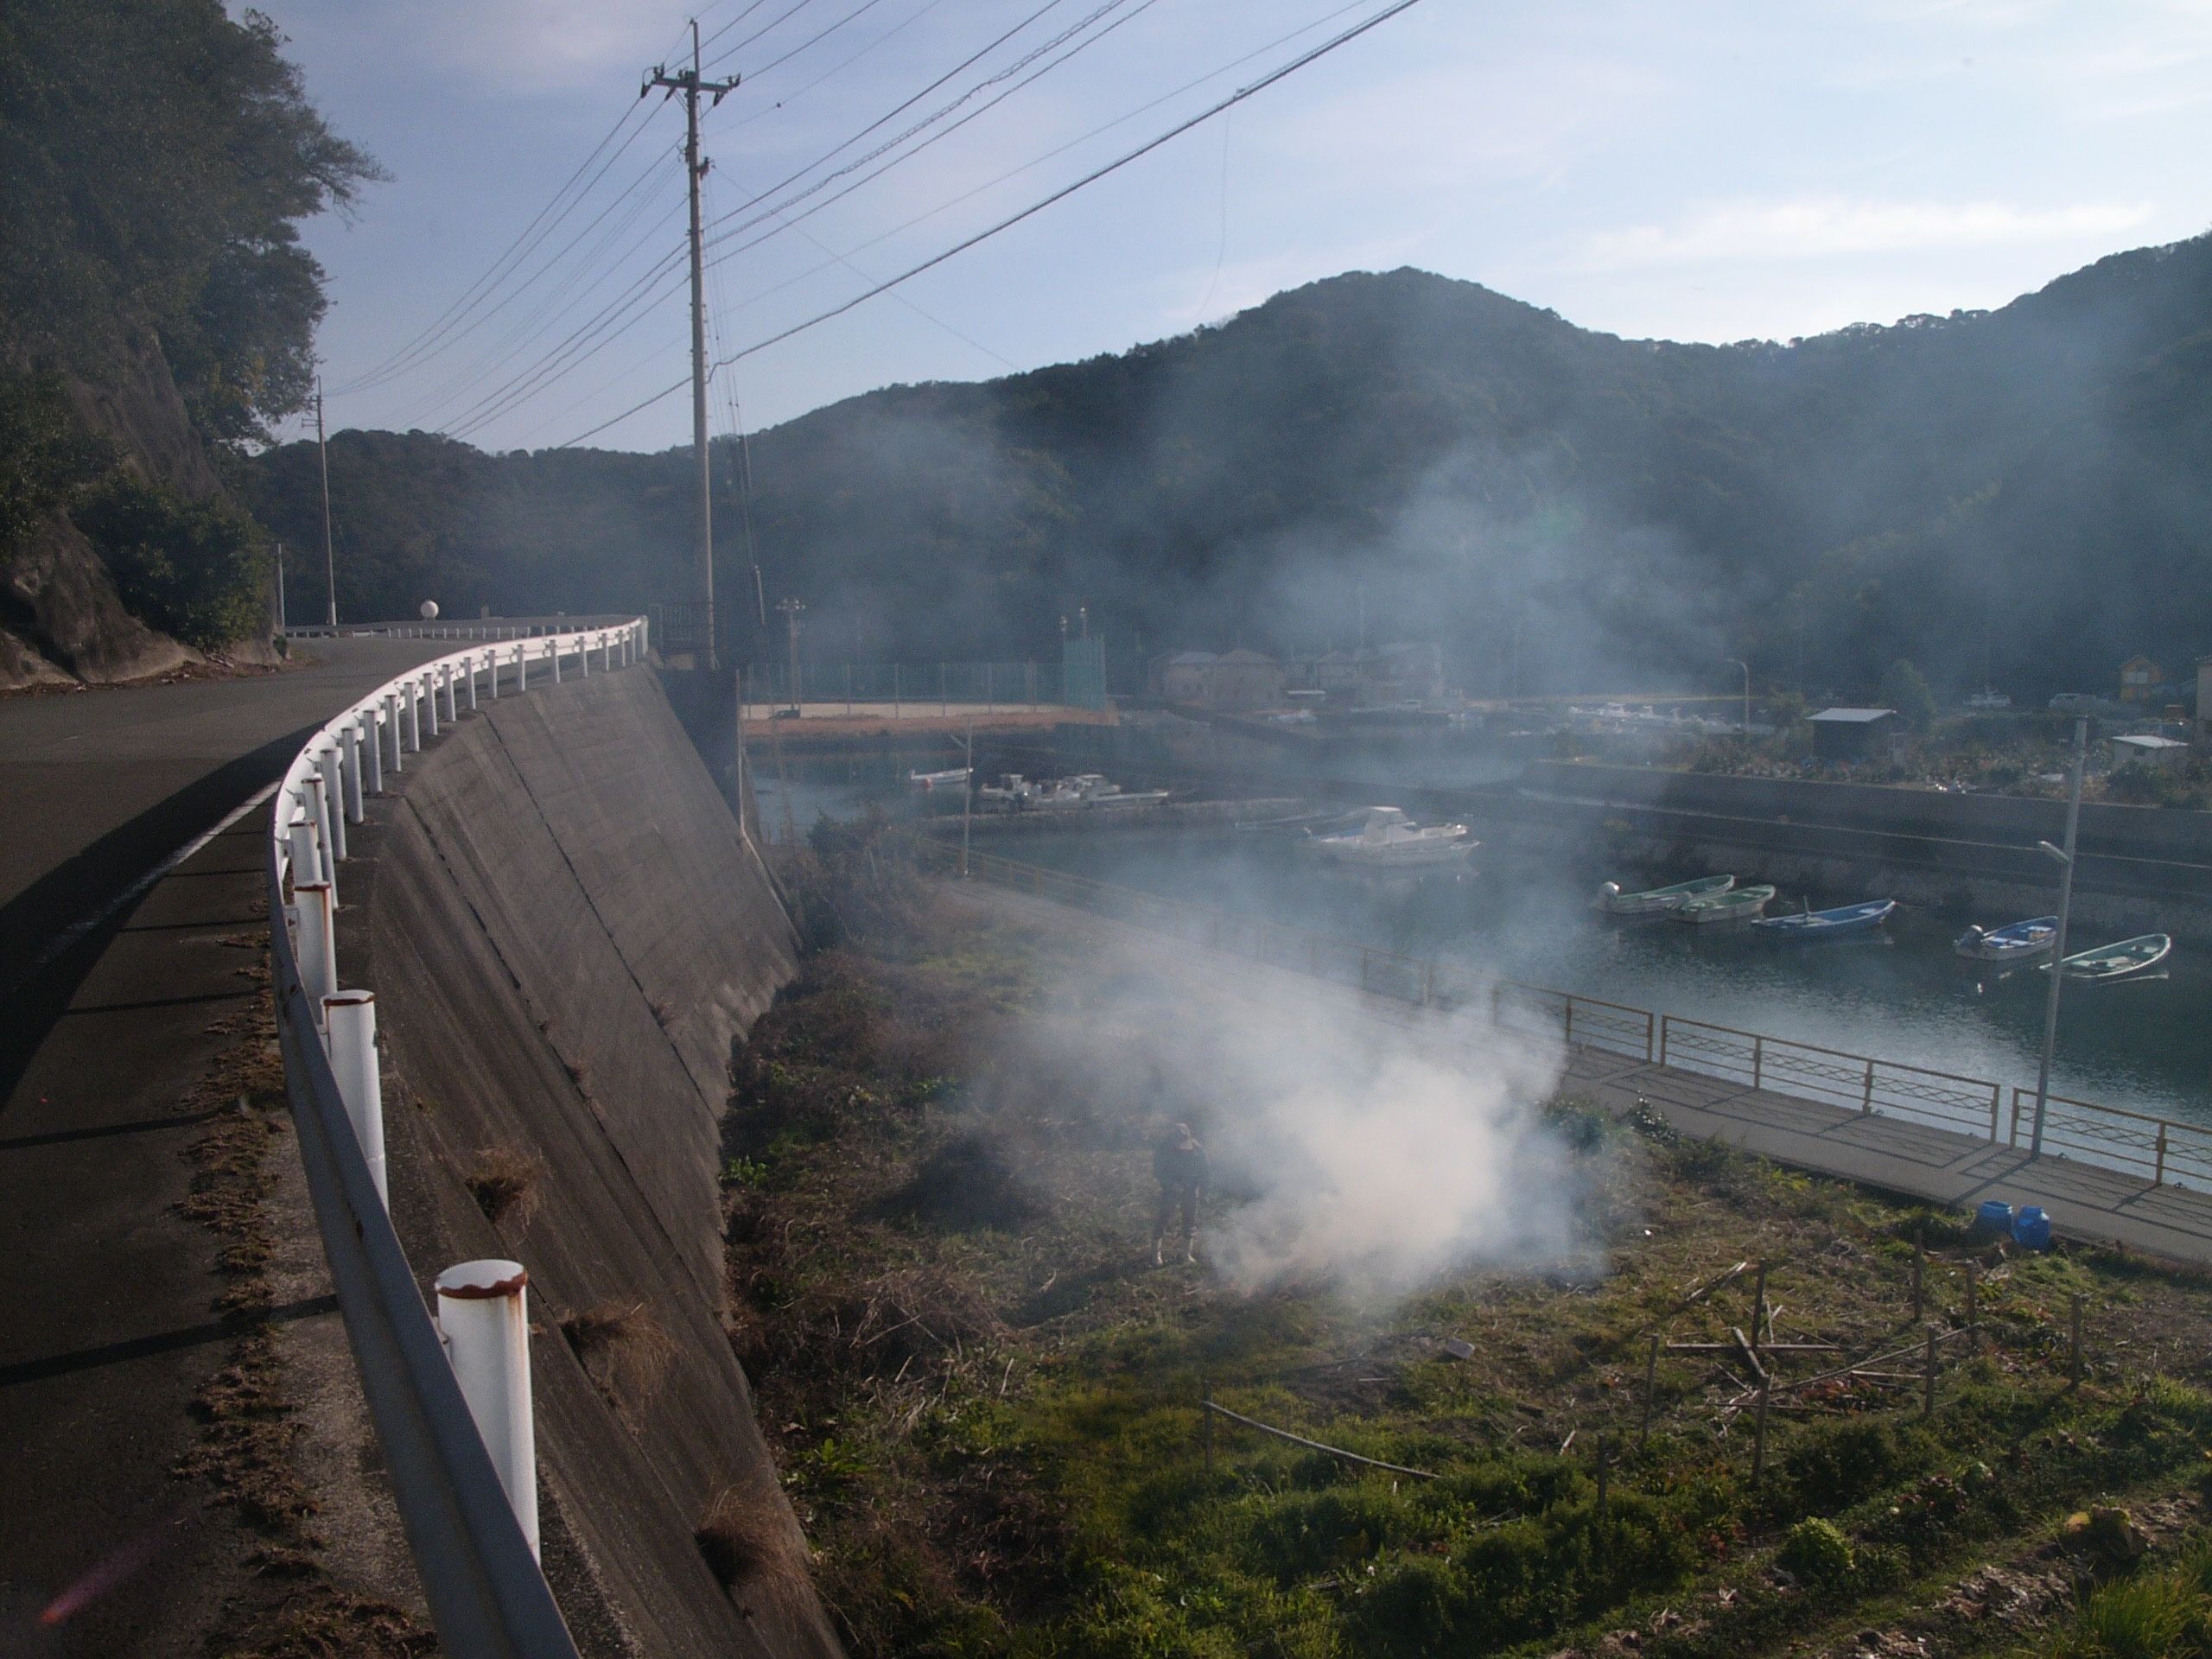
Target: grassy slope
x,y
984,1393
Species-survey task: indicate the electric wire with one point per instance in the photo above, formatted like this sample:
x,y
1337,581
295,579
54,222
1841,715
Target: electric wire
x,y
526,239
1035,161
1272,78
839,67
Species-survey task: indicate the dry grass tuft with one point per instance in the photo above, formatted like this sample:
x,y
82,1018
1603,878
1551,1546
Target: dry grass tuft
x,y
503,1181
736,1539
623,1349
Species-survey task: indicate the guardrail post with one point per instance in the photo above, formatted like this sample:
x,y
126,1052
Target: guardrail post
x,y
313,902
583,659
553,650
318,814
484,1316
412,694
306,862
1866,1100
522,669
1663,1032
334,803
1649,1031
1566,1028
372,732
471,684
349,769
2159,1177
1996,1096
430,699
351,1018
1759,1062
390,730
2012,1136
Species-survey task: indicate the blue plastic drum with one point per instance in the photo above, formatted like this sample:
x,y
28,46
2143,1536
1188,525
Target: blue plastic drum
x,y
1993,1218
2031,1228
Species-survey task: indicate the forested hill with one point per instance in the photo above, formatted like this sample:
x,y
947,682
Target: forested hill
x,y
157,311
2038,477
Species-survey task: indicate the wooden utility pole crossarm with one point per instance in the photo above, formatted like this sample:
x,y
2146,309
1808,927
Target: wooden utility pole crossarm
x,y
688,82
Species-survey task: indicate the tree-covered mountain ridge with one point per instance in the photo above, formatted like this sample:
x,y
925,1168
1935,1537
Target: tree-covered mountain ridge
x,y
1456,464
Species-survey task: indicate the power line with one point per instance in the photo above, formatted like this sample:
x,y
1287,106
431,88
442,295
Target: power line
x,y
516,250
1127,116
840,65
1313,54
815,39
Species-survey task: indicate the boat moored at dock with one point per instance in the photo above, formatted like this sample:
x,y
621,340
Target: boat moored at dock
x,y
1389,839
1839,922
1737,905
2126,959
2015,942
1655,901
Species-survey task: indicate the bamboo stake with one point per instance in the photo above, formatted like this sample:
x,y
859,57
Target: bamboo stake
x,y
1759,1305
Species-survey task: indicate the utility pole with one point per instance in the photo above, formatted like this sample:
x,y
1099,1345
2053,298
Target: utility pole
x,y
329,559
280,588
688,82
2057,966
792,609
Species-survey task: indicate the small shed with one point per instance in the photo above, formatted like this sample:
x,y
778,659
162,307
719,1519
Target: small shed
x,y
2149,749
1854,733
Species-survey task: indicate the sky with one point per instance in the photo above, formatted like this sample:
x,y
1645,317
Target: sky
x,y
1700,172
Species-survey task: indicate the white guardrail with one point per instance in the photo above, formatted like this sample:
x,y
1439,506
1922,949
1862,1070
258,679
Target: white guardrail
x,y
450,1398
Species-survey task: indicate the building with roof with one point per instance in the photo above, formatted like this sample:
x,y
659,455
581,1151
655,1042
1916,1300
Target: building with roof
x,y
1182,676
1243,679
1854,733
2141,680
2149,748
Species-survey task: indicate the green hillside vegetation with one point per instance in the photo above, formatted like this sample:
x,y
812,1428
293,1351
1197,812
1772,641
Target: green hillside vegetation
x,y
155,159
1833,506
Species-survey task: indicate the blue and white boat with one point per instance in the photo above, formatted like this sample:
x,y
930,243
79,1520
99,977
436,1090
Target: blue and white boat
x,y
2017,942
1834,924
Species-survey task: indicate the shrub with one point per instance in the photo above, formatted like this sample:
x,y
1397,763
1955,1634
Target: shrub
x,y
194,569
623,1349
1815,1552
1829,1467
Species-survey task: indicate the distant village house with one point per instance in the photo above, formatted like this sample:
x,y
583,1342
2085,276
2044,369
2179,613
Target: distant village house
x,y
2140,680
1854,733
2151,750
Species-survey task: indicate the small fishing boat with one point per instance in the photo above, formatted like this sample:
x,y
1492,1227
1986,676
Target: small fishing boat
x,y
1391,841
1086,792
1653,900
2124,960
1837,923
928,782
2015,942
1737,905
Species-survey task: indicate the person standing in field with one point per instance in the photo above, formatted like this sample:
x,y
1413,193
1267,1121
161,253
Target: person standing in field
x,y
1179,1164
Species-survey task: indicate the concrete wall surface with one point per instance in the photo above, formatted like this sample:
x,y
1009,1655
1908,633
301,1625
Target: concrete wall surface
x,y
2107,828
566,936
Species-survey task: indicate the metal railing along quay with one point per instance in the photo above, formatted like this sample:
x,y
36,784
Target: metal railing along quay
x,y
450,1397
2162,1150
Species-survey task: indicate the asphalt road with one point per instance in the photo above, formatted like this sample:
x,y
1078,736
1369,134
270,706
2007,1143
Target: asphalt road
x,y
98,786
118,1050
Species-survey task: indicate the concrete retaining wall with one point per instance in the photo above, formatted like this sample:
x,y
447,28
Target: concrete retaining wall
x,y
2108,829
567,937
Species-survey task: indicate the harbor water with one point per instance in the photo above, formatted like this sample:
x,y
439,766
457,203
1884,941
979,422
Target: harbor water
x,y
1898,995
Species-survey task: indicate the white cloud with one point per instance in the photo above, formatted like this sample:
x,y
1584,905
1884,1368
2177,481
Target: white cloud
x,y
1827,227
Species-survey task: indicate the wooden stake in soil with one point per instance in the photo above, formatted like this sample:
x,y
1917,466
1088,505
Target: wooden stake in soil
x,y
1928,1381
1650,1376
1602,1472
1919,1270
1758,1432
1759,1305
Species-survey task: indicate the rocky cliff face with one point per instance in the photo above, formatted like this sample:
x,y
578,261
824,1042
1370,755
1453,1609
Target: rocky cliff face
x,y
62,621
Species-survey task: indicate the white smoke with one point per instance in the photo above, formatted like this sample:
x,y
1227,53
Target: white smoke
x,y
1365,1151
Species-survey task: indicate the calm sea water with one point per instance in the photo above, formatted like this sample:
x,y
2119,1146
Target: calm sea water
x,y
1901,995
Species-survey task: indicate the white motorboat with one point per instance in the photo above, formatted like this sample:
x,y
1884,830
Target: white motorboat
x,y
1084,791
1737,905
1391,841
928,782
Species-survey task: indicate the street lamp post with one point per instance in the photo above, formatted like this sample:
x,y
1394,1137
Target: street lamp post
x,y
1737,662
2057,967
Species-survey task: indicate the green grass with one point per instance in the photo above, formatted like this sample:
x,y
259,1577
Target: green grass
x,y
986,1399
